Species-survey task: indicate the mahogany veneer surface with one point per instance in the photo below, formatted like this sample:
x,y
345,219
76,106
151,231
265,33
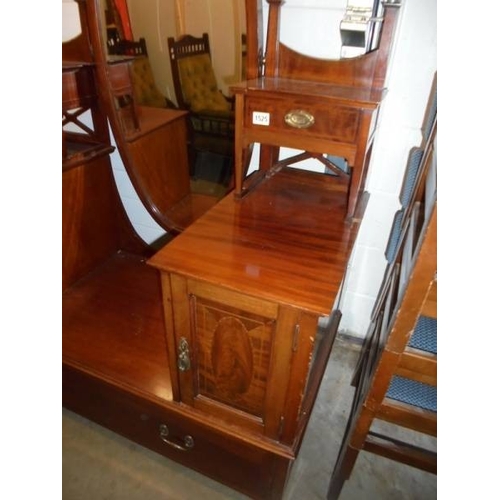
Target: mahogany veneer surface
x,y
113,325
287,241
115,371
370,97
342,121
152,119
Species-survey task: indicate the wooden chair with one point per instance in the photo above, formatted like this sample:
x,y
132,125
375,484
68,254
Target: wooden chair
x,y
196,90
396,377
128,47
146,92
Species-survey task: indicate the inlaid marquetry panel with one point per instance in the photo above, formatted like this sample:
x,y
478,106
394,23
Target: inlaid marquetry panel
x,y
233,349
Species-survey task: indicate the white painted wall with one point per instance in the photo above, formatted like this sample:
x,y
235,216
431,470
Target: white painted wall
x,y
155,20
409,80
311,26
222,20
145,226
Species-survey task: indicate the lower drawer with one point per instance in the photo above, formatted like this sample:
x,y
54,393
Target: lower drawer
x,y
241,465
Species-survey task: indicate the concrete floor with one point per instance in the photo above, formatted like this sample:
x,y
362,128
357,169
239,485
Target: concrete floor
x,y
100,465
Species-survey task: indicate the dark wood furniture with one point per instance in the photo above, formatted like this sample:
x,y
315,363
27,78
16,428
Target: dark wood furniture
x,y
128,47
315,105
78,98
396,378
145,90
120,82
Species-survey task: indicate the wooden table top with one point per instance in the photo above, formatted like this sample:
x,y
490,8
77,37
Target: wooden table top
x,y
287,241
361,96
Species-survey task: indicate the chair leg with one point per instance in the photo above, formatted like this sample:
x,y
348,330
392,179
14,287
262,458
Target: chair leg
x,y
347,455
342,471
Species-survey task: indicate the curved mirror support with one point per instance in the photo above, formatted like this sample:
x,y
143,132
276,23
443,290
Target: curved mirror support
x,y
151,133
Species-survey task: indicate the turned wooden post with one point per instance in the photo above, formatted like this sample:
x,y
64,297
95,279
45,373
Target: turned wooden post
x,y
272,40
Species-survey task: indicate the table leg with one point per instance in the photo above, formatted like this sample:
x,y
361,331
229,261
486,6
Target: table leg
x,y
360,166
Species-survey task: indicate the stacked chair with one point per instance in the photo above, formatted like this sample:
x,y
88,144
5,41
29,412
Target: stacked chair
x,y
396,376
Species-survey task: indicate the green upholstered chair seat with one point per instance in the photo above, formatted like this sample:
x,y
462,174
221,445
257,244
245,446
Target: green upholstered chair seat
x,y
199,85
211,113
145,89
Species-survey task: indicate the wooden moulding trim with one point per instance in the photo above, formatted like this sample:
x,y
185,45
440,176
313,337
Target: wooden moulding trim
x,y
400,451
186,411
418,419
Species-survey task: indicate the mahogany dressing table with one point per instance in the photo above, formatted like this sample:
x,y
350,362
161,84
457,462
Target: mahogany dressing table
x,y
211,351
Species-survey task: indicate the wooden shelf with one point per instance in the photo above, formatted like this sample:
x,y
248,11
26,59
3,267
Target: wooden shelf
x,y
79,148
113,325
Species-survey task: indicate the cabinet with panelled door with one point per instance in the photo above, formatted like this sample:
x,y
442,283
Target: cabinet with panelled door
x,y
234,353
244,289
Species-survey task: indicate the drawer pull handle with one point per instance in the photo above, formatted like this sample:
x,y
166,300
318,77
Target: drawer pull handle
x,y
188,440
183,360
299,118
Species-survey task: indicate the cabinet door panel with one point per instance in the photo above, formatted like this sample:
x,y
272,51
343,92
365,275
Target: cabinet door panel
x,y
231,339
233,349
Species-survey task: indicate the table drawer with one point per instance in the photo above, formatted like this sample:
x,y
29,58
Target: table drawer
x,y
119,78
211,451
307,118
77,88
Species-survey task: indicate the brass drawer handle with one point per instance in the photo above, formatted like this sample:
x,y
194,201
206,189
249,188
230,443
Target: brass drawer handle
x,y
299,118
183,360
188,440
